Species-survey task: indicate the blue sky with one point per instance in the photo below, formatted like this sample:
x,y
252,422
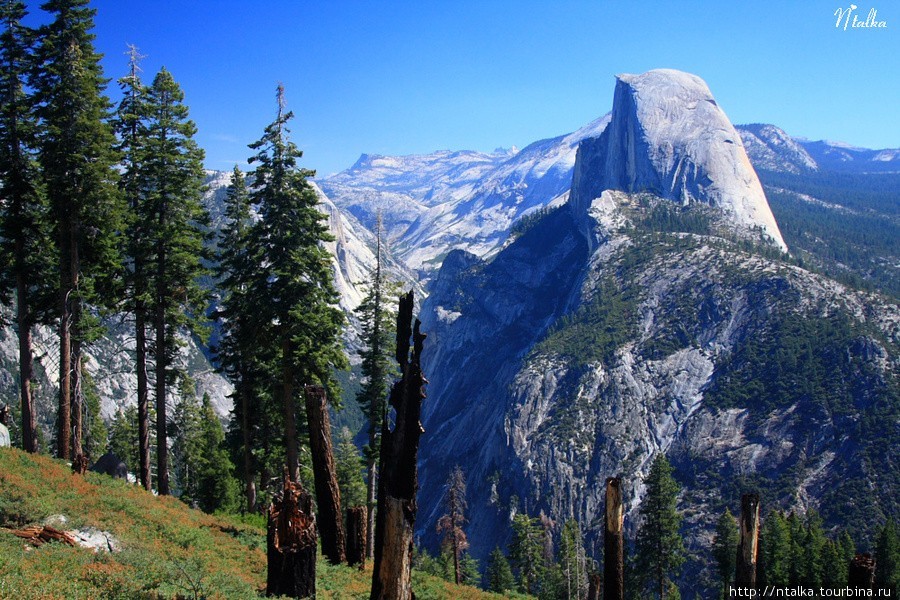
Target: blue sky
x,y
409,77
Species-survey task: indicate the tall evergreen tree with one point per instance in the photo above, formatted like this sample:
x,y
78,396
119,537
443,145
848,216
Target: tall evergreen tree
x,y
78,161
300,318
123,437
572,560
377,367
451,523
776,550
24,221
526,551
174,216
348,464
887,558
499,577
725,545
131,125
239,353
659,548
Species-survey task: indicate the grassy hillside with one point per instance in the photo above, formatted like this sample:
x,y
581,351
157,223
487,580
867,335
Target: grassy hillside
x,y
165,549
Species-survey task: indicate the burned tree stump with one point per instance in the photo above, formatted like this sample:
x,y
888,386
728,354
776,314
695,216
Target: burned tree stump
x,y
594,586
80,464
862,572
357,520
398,478
614,542
291,544
748,547
328,494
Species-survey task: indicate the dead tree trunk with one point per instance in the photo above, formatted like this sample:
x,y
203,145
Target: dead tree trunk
x,y
328,494
614,542
862,572
745,571
594,586
291,544
398,478
357,518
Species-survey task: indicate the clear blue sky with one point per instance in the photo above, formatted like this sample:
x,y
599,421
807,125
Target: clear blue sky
x,y
394,77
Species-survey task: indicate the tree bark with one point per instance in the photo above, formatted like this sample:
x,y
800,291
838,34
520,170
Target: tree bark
x,y
862,572
287,400
77,399
26,360
594,586
748,547
357,518
328,494
162,449
291,544
66,288
614,542
371,499
249,486
143,395
398,477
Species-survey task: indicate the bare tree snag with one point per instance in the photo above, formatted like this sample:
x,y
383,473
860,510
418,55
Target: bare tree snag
x,y
748,547
291,543
614,542
595,584
328,494
398,477
357,520
862,572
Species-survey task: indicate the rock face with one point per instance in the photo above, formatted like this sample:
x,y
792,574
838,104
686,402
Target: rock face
x,y
668,137
771,149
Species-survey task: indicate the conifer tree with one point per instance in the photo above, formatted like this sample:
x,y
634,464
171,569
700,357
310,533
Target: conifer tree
x,y
130,123
776,550
499,577
377,327
725,545
887,558
239,353
24,220
173,177
299,317
526,551
659,548
78,162
349,471
572,560
451,523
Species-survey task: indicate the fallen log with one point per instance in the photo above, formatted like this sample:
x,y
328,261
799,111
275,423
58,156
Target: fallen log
x,y
41,534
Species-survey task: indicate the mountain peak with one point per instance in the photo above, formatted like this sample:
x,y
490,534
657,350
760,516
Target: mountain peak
x,y
668,136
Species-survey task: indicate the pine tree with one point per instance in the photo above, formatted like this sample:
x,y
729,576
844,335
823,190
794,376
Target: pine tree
x,y
526,551
659,548
725,545
24,220
887,558
451,523
123,437
572,560
131,124
187,444
95,432
776,550
239,353
377,367
78,162
300,318
173,217
349,471
499,577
